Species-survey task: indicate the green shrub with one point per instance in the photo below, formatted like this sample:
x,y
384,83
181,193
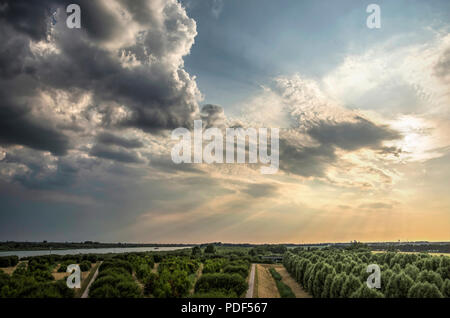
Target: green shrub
x,y
222,282
424,290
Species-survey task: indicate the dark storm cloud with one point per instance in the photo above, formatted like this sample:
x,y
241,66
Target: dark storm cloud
x,y
120,155
313,161
306,161
156,91
29,17
18,127
352,135
38,174
111,139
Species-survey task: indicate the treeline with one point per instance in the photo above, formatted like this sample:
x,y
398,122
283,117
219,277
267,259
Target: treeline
x,y
336,273
419,248
268,249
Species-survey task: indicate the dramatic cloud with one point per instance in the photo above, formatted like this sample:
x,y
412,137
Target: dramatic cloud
x,y
352,136
111,139
127,57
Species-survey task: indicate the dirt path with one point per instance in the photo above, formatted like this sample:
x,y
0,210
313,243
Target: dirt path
x,y
251,282
86,291
197,276
266,285
288,280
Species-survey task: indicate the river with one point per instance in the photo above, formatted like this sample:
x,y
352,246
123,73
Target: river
x,y
22,254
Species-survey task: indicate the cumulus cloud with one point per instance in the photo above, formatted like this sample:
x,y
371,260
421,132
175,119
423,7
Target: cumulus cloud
x,y
121,74
213,116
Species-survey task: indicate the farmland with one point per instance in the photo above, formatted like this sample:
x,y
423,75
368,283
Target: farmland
x,y
213,271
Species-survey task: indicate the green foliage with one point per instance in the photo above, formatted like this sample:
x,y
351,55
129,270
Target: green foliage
x,y
284,290
274,273
398,286
8,261
115,281
196,251
210,249
172,264
412,271
214,265
85,266
430,277
424,290
174,284
366,292
446,288
350,285
336,285
221,282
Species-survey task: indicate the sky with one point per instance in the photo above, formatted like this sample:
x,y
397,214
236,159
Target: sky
x,y
86,117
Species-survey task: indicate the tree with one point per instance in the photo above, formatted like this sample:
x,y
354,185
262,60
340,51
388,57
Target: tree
x,y
399,285
150,284
446,288
336,285
196,251
412,271
366,292
326,293
431,277
350,285
385,277
424,290
210,249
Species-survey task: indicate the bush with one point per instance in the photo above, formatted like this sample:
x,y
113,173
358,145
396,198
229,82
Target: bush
x,y
118,263
398,286
115,281
275,274
446,288
85,266
9,261
151,283
350,285
366,292
221,282
210,249
430,277
424,290
236,269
